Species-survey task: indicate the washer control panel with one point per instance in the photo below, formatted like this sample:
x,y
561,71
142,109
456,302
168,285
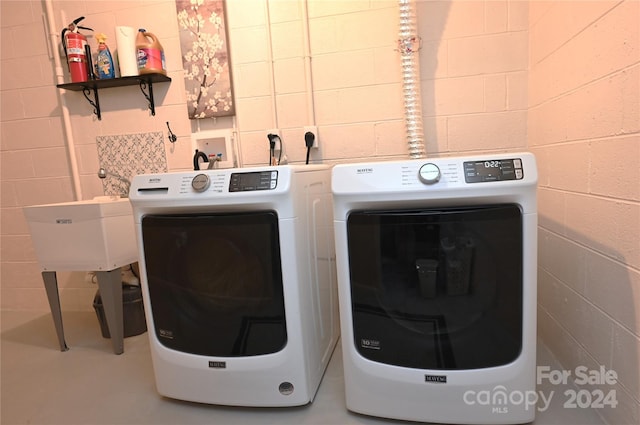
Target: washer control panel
x,y
250,181
493,170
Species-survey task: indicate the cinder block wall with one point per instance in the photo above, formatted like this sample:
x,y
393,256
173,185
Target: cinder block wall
x,y
355,78
473,70
474,75
584,123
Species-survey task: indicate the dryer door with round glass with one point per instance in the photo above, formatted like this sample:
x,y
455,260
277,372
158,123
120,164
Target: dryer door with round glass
x,y
215,282
438,288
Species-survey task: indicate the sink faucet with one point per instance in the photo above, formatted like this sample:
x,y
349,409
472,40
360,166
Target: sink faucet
x,y
103,173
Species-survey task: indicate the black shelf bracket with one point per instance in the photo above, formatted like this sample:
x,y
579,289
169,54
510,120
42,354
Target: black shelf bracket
x,y
95,102
148,95
90,88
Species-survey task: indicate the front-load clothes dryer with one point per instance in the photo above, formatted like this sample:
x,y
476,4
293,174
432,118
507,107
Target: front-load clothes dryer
x,y
437,287
239,284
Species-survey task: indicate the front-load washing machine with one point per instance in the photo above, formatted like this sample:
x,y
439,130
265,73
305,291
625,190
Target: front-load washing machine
x,y
437,287
238,277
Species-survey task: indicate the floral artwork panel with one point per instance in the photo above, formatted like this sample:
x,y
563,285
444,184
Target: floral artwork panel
x,y
205,58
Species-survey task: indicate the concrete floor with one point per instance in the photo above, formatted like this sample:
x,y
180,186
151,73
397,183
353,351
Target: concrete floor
x,y
90,385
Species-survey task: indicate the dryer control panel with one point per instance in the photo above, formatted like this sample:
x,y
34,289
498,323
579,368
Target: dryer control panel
x,y
438,174
493,170
256,180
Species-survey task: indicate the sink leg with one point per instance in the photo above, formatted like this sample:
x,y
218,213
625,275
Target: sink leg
x,y
51,286
110,284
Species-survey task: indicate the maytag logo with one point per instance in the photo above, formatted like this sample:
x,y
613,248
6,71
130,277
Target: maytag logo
x,y
436,379
364,170
218,365
155,180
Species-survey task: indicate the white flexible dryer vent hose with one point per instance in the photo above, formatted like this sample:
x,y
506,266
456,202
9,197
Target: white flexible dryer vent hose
x,y
409,45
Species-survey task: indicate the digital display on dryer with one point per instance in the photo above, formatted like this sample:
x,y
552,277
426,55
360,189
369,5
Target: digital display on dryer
x,y
493,170
258,180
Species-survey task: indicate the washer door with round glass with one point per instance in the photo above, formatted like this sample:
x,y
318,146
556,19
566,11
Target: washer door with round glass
x,y
215,282
437,288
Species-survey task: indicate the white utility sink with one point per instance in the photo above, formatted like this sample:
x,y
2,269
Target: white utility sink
x,y
92,235
95,235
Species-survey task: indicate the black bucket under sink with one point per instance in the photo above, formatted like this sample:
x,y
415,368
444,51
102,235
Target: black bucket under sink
x,y
132,312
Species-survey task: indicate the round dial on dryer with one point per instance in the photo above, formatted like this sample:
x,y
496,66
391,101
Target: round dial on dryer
x,y
200,182
429,173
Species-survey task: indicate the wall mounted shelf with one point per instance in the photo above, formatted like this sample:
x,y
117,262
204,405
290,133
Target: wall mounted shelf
x,y
145,81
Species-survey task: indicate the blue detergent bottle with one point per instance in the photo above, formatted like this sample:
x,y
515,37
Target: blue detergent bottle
x,y
104,61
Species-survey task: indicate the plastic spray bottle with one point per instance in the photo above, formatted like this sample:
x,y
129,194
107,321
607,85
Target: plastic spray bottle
x,y
104,61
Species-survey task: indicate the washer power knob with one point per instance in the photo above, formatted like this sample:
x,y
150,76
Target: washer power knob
x,y
429,173
200,182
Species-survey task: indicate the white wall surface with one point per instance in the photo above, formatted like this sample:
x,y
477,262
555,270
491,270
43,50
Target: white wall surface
x,y
584,124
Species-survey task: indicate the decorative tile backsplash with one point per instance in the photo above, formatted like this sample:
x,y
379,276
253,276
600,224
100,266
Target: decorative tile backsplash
x,y
126,155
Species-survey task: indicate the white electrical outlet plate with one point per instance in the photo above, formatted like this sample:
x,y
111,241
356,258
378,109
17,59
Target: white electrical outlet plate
x,y
313,129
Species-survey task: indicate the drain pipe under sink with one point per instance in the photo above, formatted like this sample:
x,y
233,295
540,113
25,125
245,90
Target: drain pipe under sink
x,y
68,132
409,45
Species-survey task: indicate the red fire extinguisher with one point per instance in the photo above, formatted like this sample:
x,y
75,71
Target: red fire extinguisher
x,y
74,48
